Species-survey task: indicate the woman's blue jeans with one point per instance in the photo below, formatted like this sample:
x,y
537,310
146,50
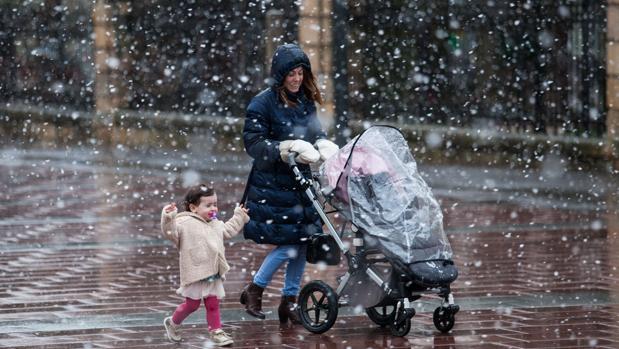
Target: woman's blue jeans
x,y
295,255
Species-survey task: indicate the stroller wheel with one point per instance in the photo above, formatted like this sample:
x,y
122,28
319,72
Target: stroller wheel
x,y
317,306
402,328
381,315
444,319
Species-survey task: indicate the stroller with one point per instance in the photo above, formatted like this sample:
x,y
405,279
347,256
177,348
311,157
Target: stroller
x,y
400,249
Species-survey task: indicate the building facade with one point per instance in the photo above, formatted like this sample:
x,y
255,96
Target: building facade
x,y
543,67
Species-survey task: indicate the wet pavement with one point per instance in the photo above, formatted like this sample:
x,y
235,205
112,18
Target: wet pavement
x,y
83,264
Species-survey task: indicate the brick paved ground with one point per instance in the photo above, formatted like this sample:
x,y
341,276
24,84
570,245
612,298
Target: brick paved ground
x,y
83,265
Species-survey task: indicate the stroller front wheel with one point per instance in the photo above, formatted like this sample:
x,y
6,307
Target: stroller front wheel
x,y
318,306
444,319
401,329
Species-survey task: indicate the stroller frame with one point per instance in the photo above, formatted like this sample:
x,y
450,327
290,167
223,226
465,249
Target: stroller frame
x,y
398,319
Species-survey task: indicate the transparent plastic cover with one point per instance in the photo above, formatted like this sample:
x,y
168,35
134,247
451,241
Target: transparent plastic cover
x,y
376,185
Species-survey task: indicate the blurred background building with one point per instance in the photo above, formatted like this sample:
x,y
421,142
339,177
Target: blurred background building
x,y
519,67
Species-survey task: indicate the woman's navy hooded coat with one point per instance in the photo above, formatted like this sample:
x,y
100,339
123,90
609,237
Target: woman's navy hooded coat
x,y
280,212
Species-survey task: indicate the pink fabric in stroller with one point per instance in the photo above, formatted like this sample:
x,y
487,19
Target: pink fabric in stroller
x,y
364,161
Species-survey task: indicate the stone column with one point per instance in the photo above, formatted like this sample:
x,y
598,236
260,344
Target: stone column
x,y
612,125
612,81
106,61
109,87
315,38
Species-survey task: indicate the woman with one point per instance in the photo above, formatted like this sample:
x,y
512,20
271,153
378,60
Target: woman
x,y
280,120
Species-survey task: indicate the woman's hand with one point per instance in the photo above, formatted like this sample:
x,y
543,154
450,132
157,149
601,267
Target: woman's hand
x,y
284,149
307,153
326,148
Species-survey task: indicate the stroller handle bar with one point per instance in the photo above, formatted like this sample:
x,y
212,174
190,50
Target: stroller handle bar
x,y
291,160
295,169
306,186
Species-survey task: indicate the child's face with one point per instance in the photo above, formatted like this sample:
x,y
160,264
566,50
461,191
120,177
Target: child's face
x,y
206,208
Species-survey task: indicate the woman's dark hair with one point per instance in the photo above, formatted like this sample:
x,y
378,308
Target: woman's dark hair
x,y
194,194
309,86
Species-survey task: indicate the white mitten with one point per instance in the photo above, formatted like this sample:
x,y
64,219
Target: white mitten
x,y
326,148
307,153
284,149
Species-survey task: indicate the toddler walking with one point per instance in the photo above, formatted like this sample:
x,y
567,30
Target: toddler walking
x,y
199,237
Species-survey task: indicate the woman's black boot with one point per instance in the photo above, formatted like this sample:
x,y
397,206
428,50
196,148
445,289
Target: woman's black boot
x,y
251,297
288,310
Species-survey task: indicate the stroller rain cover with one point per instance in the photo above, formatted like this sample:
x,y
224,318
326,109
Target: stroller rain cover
x,y
377,186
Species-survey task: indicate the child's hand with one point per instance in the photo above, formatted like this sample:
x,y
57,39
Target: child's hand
x,y
243,212
246,210
170,208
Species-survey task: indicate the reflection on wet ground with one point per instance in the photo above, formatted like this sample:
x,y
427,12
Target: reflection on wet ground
x,y
82,259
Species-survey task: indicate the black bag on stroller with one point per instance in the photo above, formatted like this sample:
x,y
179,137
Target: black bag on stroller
x,y
323,249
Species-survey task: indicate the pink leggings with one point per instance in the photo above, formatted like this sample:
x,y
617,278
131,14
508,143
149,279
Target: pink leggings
x,y
212,311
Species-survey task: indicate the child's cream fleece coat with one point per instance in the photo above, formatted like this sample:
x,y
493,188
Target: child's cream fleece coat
x,y
201,243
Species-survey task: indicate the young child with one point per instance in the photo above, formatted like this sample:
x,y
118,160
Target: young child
x,y
199,236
